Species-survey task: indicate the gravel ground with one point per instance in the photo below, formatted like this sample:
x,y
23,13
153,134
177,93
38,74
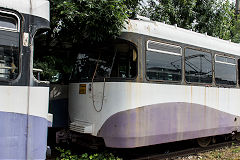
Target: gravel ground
x,y
226,153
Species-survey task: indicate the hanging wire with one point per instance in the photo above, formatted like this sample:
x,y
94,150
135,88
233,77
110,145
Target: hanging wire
x,y
115,53
104,83
95,71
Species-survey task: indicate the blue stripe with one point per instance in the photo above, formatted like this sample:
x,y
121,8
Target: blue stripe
x,y
22,136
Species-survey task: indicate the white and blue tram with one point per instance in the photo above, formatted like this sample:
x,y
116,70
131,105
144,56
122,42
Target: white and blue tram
x,y
156,84
24,114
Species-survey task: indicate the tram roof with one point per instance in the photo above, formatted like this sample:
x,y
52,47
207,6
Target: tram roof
x,y
38,8
180,35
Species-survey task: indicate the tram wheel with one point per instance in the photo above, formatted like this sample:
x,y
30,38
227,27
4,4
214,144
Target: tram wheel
x,y
237,136
204,142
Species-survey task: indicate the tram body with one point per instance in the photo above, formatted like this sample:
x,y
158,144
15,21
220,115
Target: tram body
x,y
24,117
184,85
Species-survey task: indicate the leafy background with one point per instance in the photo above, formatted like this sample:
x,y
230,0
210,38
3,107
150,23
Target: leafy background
x,y
80,24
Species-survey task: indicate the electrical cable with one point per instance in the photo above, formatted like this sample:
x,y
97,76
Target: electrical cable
x,y
93,90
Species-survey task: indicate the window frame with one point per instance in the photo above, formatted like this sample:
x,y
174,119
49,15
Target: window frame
x,y
18,16
163,52
118,79
183,47
236,65
132,79
230,57
202,50
13,15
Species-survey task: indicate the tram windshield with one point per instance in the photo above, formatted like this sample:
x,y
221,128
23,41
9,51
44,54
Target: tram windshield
x,y
116,60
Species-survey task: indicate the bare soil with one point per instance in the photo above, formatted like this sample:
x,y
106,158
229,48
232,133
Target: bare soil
x,y
226,153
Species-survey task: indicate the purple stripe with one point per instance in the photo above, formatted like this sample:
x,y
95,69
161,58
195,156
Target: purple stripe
x,y
17,141
167,122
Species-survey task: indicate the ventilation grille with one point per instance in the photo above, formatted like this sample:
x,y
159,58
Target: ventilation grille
x,y
81,127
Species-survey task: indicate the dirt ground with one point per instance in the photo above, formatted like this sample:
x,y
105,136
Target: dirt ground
x,y
226,153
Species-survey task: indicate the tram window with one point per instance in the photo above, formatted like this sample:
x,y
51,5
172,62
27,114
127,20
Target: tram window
x,y
9,47
125,62
198,66
225,70
115,60
8,22
163,61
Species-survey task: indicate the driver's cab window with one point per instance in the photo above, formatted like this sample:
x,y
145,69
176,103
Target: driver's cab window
x,y
9,46
125,61
116,60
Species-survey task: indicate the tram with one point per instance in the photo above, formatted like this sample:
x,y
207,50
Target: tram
x,y
24,117
156,84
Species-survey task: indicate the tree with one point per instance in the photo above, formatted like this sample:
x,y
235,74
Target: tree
x,y
235,30
178,12
216,18
91,20
77,24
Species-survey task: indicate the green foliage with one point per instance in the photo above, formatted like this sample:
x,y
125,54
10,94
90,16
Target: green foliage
x,y
133,6
217,18
88,21
53,67
235,29
83,23
171,11
47,64
67,155
79,23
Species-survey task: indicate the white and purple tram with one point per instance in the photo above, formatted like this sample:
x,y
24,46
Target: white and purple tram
x,y
156,84
24,117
